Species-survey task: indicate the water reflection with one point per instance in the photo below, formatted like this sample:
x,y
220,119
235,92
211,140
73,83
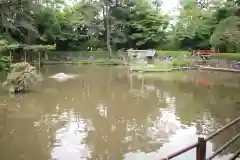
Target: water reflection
x,y
70,140
105,113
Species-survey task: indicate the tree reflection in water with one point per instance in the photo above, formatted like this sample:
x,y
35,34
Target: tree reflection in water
x,y
69,142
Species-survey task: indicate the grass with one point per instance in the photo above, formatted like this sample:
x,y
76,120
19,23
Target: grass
x,y
227,56
173,53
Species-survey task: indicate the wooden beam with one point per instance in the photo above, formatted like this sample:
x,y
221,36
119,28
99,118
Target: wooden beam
x,y
39,60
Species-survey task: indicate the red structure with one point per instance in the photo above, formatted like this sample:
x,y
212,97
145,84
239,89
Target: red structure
x,y
206,52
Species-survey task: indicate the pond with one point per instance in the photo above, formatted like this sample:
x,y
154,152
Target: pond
x,y
108,113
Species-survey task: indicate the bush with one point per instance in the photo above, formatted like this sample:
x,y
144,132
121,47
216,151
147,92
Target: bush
x,y
21,77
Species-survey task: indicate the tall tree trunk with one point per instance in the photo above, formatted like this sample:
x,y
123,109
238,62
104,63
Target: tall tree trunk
x,y
107,28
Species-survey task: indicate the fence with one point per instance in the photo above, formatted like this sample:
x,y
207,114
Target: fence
x,y
201,145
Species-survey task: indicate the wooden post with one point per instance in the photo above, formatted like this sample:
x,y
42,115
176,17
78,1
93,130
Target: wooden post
x,y
39,60
10,58
201,149
142,82
131,82
25,56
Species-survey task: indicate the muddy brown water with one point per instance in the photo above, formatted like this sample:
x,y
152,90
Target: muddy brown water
x,y
105,113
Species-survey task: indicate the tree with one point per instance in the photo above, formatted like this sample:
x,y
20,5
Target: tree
x,y
146,26
227,35
106,15
195,25
17,18
120,24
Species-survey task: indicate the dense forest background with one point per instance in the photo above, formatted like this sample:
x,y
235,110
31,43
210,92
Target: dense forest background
x,y
121,24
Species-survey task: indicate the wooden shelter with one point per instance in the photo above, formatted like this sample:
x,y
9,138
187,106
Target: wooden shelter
x,y
37,49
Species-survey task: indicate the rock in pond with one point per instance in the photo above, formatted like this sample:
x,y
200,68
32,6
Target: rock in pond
x,y
63,77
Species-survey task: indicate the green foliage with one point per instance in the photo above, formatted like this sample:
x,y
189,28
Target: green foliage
x,y
227,33
21,77
17,18
194,27
147,26
193,21
3,42
114,25
4,63
205,27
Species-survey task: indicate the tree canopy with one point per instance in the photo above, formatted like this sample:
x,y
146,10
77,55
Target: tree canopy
x,y
121,24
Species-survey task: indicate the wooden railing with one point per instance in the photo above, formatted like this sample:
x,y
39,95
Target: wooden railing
x,y
201,145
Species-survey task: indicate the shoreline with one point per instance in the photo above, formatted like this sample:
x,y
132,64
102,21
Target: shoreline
x,y
221,69
85,62
196,67
116,62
